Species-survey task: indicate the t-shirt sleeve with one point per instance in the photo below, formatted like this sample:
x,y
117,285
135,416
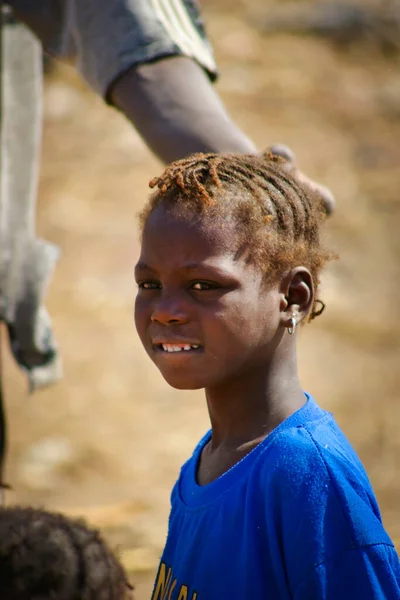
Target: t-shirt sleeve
x,y
326,524
369,573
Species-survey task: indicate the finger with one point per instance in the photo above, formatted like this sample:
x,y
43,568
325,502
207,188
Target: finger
x,y
284,152
327,197
324,193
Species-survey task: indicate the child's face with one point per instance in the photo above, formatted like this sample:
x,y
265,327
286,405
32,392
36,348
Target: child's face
x,y
203,311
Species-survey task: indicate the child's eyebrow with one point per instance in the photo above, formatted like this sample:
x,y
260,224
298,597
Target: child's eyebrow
x,y
143,267
211,268
195,265
204,267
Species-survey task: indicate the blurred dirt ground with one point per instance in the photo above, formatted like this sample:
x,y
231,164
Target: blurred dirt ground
x,y
107,442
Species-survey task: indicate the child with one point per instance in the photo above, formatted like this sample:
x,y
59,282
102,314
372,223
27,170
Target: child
x,y
274,503
45,556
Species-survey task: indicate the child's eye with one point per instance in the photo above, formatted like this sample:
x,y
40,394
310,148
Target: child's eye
x,y
204,286
149,285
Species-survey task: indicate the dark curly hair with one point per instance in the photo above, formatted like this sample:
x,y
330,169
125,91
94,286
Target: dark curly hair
x,y
47,556
277,217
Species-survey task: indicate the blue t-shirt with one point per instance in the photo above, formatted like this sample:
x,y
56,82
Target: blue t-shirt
x,y
294,519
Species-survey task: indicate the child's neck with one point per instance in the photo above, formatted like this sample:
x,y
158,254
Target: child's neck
x,y
245,410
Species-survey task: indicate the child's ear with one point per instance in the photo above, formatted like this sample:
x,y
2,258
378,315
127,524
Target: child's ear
x,y
297,295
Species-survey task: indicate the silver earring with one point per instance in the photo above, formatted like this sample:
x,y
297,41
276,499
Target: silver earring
x,y
292,326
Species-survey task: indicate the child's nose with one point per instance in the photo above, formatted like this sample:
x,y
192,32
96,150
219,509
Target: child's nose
x,y
169,310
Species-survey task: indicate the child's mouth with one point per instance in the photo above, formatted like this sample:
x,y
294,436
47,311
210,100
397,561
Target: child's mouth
x,y
170,348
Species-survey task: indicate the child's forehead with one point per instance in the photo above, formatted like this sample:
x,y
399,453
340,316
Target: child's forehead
x,y
168,237
190,229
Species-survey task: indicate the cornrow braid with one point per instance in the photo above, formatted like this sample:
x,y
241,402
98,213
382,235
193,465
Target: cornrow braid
x,y
48,556
276,215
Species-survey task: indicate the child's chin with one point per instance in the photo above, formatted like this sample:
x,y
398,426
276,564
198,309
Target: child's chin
x,y
182,383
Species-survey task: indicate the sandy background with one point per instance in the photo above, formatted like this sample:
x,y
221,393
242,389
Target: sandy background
x,y
107,442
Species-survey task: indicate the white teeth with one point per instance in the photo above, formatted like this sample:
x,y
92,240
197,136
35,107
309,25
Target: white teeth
x,y
172,348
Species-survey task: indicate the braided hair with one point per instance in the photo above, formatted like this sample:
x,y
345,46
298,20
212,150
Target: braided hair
x,y
277,218
46,556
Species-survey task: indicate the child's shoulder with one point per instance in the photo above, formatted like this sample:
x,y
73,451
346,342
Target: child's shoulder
x,y
311,468
311,450
312,486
